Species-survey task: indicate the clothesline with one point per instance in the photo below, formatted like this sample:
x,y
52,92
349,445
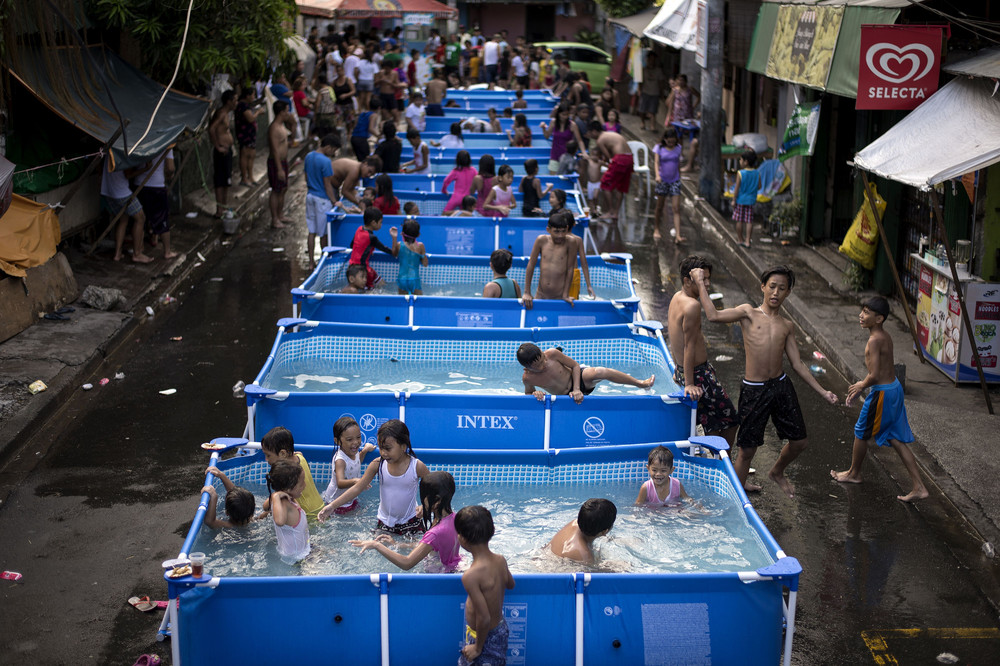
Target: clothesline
x,y
61,162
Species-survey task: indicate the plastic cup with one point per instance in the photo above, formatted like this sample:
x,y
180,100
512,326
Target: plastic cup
x,y
197,564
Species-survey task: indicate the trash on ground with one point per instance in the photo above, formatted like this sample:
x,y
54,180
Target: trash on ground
x,y
277,249
722,358
191,215
764,239
87,387
215,279
166,299
101,298
149,311
819,356
11,575
168,391
988,549
37,386
786,242
177,338
200,256
817,369
104,381
119,375
947,658
238,389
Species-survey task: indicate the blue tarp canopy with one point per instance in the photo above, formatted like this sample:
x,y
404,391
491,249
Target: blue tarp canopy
x,y
83,101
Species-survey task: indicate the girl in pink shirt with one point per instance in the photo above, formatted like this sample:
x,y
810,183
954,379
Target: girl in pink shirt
x,y
436,491
462,175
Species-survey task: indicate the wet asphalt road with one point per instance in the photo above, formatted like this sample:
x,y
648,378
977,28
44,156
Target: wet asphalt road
x,y
107,489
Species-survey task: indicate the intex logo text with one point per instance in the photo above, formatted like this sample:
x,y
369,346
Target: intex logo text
x,y
486,422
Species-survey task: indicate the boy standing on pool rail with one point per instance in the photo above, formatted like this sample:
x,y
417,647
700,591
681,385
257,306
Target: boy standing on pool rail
x,y
767,392
883,415
558,374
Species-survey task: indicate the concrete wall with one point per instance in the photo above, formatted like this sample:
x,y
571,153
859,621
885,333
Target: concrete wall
x,y
83,209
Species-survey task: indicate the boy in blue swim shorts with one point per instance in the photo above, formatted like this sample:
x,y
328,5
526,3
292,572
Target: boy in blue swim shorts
x,y
883,415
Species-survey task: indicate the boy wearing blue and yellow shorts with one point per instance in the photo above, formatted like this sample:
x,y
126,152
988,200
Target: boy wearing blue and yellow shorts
x,y
883,415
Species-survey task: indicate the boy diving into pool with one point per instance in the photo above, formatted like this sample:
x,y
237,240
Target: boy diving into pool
x,y
555,372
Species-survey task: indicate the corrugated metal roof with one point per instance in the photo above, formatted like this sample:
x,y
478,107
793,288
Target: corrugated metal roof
x,y
986,64
889,4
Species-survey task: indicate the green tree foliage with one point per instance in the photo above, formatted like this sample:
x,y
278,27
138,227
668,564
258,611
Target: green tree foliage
x,y
620,8
225,36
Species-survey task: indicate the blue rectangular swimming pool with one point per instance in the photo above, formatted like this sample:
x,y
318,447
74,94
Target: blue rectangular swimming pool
x,y
583,617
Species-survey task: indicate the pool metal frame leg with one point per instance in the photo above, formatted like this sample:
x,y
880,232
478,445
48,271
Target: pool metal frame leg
x,y
381,581
581,580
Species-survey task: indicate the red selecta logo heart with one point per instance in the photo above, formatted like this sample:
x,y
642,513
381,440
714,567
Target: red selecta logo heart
x,y
889,61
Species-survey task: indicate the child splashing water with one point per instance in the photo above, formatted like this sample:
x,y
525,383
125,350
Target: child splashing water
x,y
436,491
661,489
399,474
285,483
411,254
346,461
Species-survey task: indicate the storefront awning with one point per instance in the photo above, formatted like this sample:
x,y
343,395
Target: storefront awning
x,y
985,63
636,23
83,101
835,72
961,121
362,9
675,24
324,8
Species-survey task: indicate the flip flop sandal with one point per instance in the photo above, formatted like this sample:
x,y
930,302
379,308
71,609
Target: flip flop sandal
x,y
144,604
147,660
55,316
66,309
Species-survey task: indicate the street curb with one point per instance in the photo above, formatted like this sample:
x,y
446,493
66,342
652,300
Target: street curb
x,y
19,428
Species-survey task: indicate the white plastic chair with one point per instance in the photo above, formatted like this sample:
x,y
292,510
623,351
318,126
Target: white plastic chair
x,y
640,164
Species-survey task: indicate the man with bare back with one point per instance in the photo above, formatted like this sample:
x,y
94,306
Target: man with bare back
x,y
277,162
558,374
767,392
222,151
347,173
716,413
883,415
613,151
436,90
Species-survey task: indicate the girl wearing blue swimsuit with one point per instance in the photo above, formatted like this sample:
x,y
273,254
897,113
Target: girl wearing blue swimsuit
x,y
411,254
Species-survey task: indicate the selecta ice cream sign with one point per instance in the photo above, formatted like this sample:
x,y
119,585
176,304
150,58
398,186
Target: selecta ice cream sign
x,y
899,65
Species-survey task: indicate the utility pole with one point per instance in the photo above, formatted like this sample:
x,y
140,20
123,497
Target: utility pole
x,y
712,127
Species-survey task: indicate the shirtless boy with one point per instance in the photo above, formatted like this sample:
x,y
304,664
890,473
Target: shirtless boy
x,y
883,416
485,582
716,413
558,374
613,151
558,259
277,162
347,173
767,392
576,540
437,90
222,150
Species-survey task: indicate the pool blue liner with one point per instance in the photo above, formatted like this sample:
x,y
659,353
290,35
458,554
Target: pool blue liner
x,y
596,618
418,182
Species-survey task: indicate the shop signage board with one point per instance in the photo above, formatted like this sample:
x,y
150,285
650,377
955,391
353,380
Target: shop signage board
x,y
418,19
983,301
701,41
805,37
899,65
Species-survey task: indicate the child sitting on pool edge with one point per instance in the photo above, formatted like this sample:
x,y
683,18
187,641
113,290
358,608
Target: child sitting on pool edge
x,y
661,489
558,374
576,540
436,491
485,583
278,445
558,251
357,277
240,503
347,460
501,286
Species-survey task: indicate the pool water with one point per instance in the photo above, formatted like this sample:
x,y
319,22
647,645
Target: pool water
x,y
472,289
707,538
322,375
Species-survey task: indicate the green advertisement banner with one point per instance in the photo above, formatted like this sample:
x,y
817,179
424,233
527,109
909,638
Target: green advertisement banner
x,y
805,38
800,135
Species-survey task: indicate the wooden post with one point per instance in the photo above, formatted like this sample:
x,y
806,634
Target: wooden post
x,y
89,170
936,203
918,349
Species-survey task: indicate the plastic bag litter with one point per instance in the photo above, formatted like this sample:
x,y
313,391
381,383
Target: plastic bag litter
x,y
238,389
168,391
37,386
119,375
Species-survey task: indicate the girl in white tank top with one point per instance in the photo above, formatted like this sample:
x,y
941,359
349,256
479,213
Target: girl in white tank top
x,y
286,482
399,473
346,461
